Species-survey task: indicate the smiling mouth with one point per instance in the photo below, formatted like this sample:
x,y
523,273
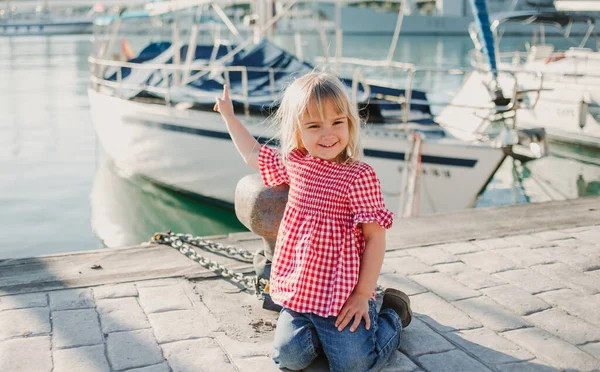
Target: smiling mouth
x,y
328,146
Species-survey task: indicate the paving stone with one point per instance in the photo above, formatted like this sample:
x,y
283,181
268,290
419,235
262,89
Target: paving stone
x,y
419,339
133,349
574,279
568,243
186,356
515,299
590,250
24,322
476,279
550,235
527,241
588,236
115,291
238,351
593,349
453,268
164,298
161,367
529,280
23,301
461,247
81,359
432,255
444,286
386,268
488,346
121,314
182,325
453,360
439,314
534,365
557,352
525,257
490,314
489,262
400,282
76,328
576,260
409,266
16,355
468,276
399,362
565,326
495,243
71,299
584,307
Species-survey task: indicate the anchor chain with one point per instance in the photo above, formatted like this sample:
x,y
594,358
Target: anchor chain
x,y
184,242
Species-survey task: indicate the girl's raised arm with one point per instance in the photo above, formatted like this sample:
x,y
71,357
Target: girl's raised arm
x,y
245,143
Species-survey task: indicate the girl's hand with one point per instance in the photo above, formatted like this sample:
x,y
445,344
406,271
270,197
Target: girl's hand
x,y
357,307
223,104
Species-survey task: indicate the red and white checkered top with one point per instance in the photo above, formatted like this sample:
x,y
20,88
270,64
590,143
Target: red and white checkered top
x,y
320,241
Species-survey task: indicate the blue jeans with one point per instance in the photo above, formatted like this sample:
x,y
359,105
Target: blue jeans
x,y
300,337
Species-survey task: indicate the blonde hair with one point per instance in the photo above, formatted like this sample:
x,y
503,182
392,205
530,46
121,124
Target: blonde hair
x,y
312,91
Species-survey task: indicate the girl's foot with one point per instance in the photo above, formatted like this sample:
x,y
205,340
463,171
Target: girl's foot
x,y
399,302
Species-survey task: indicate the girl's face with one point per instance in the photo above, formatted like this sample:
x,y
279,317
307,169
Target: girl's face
x,y
324,138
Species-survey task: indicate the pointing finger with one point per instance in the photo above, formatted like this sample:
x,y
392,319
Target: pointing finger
x,y
225,91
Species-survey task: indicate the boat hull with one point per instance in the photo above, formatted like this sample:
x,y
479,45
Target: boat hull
x,y
191,151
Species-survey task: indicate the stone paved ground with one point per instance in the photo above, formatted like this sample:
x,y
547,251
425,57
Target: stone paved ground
x,y
521,303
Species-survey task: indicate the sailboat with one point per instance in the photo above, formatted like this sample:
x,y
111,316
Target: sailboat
x,y
153,116
557,89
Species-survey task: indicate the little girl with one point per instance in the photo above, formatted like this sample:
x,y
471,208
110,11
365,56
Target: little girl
x,y
331,241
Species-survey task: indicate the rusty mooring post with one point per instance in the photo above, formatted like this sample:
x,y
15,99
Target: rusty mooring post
x,y
260,209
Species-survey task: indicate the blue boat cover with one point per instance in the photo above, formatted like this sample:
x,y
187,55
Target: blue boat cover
x,y
263,93
154,50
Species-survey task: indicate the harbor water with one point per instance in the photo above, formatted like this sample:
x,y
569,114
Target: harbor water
x,y
59,193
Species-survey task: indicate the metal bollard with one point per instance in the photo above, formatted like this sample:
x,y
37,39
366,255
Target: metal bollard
x,y
260,209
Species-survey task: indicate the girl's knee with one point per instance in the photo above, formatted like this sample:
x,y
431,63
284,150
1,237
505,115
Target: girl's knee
x,y
293,355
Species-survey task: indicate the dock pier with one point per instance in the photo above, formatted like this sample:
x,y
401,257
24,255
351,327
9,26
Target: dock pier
x,y
498,289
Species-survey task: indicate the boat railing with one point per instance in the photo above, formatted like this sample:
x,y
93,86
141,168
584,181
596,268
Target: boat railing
x,y
515,62
412,73
180,75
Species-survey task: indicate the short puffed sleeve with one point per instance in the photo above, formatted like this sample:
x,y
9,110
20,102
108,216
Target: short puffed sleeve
x,y
366,201
272,168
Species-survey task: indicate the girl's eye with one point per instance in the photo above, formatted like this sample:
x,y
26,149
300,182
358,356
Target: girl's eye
x,y
338,122
312,126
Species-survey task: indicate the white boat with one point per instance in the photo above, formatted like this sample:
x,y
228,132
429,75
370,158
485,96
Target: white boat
x,y
153,116
556,89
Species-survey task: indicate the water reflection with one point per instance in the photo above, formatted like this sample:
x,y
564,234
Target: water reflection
x,y
129,210
546,179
